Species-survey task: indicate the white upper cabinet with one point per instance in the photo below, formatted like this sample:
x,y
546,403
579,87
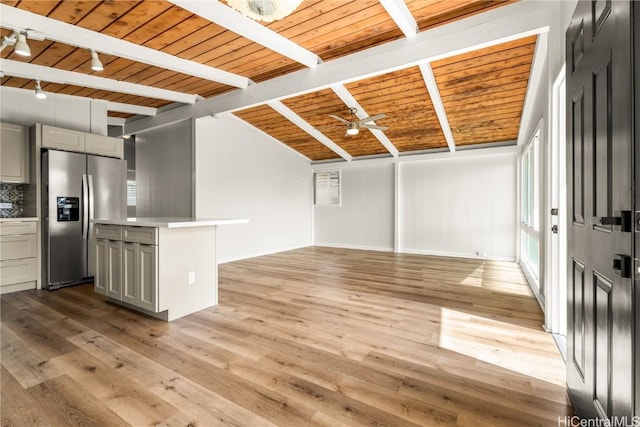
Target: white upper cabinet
x,y
104,145
14,154
63,139
81,142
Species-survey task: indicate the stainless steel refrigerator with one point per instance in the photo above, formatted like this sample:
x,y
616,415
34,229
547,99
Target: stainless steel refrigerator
x,y
76,188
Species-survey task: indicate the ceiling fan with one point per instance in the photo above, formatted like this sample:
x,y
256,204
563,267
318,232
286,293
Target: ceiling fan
x,y
354,125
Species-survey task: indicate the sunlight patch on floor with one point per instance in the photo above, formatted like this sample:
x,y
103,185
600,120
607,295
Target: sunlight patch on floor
x,y
500,344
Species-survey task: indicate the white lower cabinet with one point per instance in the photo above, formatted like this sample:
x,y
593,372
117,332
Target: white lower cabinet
x,y
100,278
18,256
140,275
127,272
108,275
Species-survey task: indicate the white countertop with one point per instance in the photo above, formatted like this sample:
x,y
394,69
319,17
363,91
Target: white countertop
x,y
163,222
24,219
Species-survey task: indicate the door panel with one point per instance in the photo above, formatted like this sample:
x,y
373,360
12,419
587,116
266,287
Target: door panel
x,y
603,335
576,149
602,179
578,317
599,167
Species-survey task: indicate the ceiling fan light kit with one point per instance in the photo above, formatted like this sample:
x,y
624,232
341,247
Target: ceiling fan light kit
x,y
265,10
354,125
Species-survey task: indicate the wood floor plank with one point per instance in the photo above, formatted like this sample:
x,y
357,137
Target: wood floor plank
x,y
67,404
16,406
314,336
27,367
133,403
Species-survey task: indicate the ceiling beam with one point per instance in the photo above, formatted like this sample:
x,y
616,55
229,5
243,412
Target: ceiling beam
x,y
350,101
115,121
402,16
306,126
53,75
226,17
436,100
131,109
476,32
14,18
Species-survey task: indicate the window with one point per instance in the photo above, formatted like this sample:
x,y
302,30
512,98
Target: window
x,y
131,193
326,188
530,208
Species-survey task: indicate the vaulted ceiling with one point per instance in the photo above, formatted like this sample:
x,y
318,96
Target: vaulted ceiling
x,y
166,60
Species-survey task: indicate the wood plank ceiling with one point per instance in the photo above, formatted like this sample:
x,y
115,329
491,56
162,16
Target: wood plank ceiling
x,y
482,91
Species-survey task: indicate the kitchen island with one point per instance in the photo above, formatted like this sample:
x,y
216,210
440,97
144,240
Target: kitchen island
x,y
164,267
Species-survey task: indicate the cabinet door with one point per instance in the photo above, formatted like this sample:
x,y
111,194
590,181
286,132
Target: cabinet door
x,y
101,267
148,277
130,292
14,154
63,139
114,270
104,145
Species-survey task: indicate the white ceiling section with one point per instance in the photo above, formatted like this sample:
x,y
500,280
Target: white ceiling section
x,y
478,31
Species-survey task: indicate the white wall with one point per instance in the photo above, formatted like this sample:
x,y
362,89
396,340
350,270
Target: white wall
x,y
365,219
20,106
242,173
459,206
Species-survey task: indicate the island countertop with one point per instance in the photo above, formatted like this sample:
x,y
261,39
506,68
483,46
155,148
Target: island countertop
x,y
168,222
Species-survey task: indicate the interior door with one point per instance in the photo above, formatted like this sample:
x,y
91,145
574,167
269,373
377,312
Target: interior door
x,y
599,180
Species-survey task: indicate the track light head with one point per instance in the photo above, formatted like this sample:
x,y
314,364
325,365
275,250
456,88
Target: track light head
x,y
39,92
96,64
21,47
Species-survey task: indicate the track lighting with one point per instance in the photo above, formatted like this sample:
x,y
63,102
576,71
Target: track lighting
x,y
39,92
21,46
96,65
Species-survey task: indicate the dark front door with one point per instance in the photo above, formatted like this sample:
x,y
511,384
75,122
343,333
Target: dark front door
x,y
600,184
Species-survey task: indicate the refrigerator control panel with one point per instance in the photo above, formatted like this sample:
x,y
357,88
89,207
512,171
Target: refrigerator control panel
x,y
68,208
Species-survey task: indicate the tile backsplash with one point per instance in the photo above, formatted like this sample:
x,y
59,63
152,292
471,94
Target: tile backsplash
x,y
12,194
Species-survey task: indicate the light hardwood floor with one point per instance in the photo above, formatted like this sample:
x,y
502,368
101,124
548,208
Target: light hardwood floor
x,y
315,336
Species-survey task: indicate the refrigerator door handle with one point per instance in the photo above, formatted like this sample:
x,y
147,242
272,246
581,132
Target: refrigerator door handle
x,y
91,195
85,206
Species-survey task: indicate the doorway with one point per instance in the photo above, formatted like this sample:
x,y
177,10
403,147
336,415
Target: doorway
x,y
556,302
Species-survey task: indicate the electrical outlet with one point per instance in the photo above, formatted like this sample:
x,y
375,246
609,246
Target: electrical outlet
x,y
6,205
191,277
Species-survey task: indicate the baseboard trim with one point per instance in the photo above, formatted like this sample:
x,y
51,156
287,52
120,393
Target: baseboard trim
x,y
258,254
356,247
456,255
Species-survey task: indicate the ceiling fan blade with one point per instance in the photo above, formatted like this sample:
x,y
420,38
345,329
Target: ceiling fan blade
x,y
374,127
339,118
373,118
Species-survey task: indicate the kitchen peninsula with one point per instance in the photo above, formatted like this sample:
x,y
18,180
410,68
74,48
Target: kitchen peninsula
x,y
164,267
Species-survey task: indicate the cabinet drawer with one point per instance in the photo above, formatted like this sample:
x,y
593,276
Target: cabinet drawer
x,y
107,231
18,271
12,228
16,247
145,235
